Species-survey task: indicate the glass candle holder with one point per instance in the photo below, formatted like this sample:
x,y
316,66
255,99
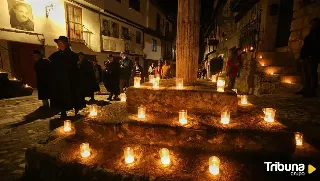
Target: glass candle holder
x,y
128,155
183,117
156,84
158,77
85,150
67,126
165,156
244,99
93,111
299,138
221,83
214,78
141,112
225,117
269,114
179,83
137,82
123,97
214,165
151,78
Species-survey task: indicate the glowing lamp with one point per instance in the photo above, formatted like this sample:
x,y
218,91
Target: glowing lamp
x,y
225,117
299,138
214,78
260,56
183,117
123,97
179,83
235,90
244,99
137,82
156,83
221,83
214,165
141,112
151,78
128,155
269,114
93,111
165,156
67,126
85,150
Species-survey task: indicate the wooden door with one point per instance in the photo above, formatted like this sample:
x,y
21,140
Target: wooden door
x,y
284,23
22,61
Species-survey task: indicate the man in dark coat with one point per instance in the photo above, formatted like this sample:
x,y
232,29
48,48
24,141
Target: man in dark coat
x,y
42,69
125,71
310,57
112,78
98,74
66,93
88,80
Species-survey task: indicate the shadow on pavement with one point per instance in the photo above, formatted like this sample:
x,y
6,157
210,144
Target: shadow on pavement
x,y
100,103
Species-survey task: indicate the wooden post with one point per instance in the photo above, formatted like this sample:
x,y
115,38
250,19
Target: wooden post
x,y
188,28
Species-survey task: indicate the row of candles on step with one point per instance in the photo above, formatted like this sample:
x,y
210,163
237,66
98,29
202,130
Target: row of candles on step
x,y
156,82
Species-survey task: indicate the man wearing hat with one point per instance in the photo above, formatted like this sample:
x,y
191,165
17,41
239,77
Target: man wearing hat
x,y
42,69
125,71
112,78
66,89
88,80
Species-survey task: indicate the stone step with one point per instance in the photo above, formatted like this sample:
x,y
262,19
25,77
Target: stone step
x,y
276,59
291,79
270,70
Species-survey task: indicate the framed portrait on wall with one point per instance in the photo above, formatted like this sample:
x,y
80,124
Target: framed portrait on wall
x,y
114,29
105,27
21,16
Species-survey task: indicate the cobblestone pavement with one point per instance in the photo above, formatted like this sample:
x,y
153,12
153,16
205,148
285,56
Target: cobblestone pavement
x,y
21,126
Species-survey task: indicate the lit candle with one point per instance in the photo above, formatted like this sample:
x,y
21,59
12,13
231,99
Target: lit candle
x,y
269,114
128,155
141,112
262,64
214,165
271,73
137,82
151,78
214,78
225,117
221,84
14,78
235,90
251,48
156,83
85,150
67,126
183,117
260,56
158,77
123,97
27,86
244,99
179,83
165,156
93,111
299,138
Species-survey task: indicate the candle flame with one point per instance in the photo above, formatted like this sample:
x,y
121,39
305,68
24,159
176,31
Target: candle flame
x,y
85,150
214,165
67,126
128,155
93,111
269,114
299,138
183,117
244,99
165,156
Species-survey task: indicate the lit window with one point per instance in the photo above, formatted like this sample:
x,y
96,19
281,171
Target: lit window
x,y
154,45
74,22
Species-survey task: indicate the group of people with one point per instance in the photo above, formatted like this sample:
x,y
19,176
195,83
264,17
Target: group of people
x,y
163,69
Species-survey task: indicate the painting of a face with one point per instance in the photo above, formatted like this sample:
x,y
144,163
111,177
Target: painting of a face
x,y
22,13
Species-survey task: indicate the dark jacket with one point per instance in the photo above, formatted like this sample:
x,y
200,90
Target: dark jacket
x,y
88,78
65,87
125,72
42,69
112,77
311,46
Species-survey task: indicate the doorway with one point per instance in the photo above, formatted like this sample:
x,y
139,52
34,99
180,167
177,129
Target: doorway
x,y
284,23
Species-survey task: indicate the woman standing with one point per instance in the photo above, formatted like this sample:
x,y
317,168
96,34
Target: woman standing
x,y
233,66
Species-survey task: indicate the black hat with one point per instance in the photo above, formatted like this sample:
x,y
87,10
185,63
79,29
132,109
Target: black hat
x,y
36,52
62,38
81,53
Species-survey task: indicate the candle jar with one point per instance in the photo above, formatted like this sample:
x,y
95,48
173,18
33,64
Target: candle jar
x,y
128,155
165,156
123,97
269,114
156,84
93,111
244,99
299,138
225,117
67,126
141,112
214,78
137,82
151,78
179,83
85,150
221,83
214,165
183,117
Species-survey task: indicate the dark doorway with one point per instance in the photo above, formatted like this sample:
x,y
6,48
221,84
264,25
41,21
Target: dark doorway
x,y
284,23
22,61
158,26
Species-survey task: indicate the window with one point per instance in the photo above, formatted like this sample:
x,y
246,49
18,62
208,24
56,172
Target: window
x,y
154,45
135,4
138,37
74,22
125,34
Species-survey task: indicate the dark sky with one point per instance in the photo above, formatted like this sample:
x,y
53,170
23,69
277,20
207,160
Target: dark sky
x,y
170,6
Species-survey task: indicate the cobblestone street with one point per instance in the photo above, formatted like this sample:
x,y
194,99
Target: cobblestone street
x,y
22,126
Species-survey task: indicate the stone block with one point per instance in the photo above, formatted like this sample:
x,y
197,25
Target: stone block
x,y
201,98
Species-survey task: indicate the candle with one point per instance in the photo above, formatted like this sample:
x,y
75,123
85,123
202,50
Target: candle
x,y
156,83
269,114
262,64
165,156
158,77
214,78
151,78
260,56
93,111
251,48
183,117
14,78
137,82
179,83
235,90
85,150
67,126
128,155
214,165
244,99
141,112
225,117
221,84
27,86
123,97
271,73
299,138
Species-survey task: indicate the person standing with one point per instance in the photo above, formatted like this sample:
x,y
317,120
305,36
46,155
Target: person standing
x,y
166,70
88,79
151,69
204,72
125,71
137,70
310,58
112,78
42,69
158,70
233,66
65,85
98,75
